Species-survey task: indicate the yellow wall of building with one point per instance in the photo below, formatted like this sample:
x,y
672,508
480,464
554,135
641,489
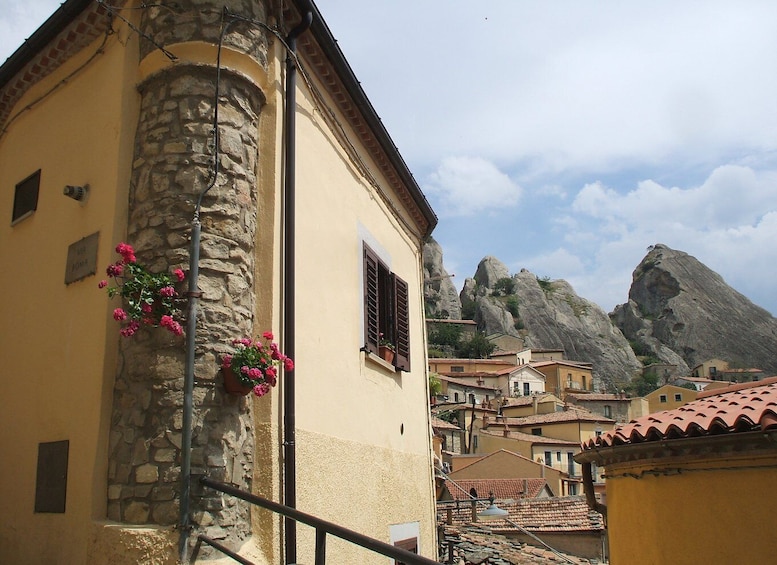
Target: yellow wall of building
x,y
489,443
654,398
568,431
356,418
59,342
561,379
502,465
701,515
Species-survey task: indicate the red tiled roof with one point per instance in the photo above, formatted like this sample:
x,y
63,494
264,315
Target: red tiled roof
x,y
555,514
739,408
440,424
571,414
560,514
578,364
598,397
529,400
502,488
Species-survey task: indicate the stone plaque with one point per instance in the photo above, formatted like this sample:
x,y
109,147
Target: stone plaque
x,y
82,259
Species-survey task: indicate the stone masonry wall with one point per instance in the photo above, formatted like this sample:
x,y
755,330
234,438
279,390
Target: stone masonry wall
x,y
172,165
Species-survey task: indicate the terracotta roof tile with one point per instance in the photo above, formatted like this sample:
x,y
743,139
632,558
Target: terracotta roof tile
x,y
569,414
553,514
599,397
440,424
502,488
738,408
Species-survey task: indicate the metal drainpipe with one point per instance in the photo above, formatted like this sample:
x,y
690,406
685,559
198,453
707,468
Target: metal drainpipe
x,y
194,294
288,322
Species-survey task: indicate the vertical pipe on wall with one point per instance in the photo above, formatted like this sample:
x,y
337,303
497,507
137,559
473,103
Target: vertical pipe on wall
x,y
289,406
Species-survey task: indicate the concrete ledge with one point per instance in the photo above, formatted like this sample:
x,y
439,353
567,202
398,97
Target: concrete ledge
x,y
112,543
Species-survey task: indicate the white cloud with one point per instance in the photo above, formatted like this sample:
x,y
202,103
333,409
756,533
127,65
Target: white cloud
x,y
729,223
465,186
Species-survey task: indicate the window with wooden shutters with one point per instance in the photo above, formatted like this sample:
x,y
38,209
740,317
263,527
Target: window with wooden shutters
x,y
386,310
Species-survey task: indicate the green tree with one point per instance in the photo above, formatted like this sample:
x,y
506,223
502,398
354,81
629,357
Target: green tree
x,y
505,285
445,334
435,385
512,306
545,284
643,384
477,347
468,311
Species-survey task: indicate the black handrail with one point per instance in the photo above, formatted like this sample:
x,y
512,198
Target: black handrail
x,y
322,528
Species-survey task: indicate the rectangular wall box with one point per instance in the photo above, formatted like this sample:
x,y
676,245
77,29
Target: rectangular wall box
x,y
51,481
25,200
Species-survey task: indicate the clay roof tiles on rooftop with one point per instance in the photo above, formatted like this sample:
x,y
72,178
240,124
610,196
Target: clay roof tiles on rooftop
x,y
739,408
502,488
555,514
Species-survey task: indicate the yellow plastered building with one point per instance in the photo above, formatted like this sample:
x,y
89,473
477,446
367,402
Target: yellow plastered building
x,y
131,122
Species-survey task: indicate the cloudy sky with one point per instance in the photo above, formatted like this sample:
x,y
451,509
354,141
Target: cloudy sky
x,y
566,137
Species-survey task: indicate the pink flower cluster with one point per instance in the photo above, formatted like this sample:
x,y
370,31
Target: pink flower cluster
x,y
256,363
151,298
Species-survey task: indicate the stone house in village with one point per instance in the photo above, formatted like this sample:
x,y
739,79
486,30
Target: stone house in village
x,y
154,119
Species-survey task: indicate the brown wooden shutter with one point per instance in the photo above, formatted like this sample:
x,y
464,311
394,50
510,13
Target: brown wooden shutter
x,y
402,322
371,311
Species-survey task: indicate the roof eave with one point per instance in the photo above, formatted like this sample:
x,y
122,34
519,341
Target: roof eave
x,y
331,50
53,26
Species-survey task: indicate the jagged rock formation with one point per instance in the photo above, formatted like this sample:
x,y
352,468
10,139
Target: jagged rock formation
x,y
440,295
679,312
684,313
549,314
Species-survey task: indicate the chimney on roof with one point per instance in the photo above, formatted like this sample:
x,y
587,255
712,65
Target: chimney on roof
x,y
623,394
534,403
526,488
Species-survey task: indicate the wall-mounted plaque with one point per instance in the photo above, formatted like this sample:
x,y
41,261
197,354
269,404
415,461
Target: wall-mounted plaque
x,y
82,258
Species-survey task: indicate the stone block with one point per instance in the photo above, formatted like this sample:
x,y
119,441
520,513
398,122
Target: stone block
x,y
136,512
147,474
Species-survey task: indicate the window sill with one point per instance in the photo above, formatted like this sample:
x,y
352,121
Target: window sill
x,y
378,360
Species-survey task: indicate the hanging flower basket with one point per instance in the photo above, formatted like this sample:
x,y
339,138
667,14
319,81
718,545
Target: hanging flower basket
x,y
253,366
232,385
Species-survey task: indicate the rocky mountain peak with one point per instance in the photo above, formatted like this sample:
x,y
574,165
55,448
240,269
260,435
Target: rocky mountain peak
x,y
684,313
440,295
489,271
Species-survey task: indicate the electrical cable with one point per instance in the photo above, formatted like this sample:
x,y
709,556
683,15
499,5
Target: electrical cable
x,y
114,12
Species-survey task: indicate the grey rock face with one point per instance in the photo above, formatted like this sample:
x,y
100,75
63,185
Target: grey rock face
x,y
680,308
555,316
549,314
440,295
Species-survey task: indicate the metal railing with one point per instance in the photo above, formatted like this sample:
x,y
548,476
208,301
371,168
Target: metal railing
x,y
322,528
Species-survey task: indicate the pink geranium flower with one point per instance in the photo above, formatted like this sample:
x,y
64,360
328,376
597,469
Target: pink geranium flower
x,y
256,363
150,298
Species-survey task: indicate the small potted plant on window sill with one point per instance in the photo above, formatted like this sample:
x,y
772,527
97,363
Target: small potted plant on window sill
x,y
386,349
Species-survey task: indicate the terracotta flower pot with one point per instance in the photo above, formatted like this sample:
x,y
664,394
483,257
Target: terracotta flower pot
x,y
386,353
231,383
